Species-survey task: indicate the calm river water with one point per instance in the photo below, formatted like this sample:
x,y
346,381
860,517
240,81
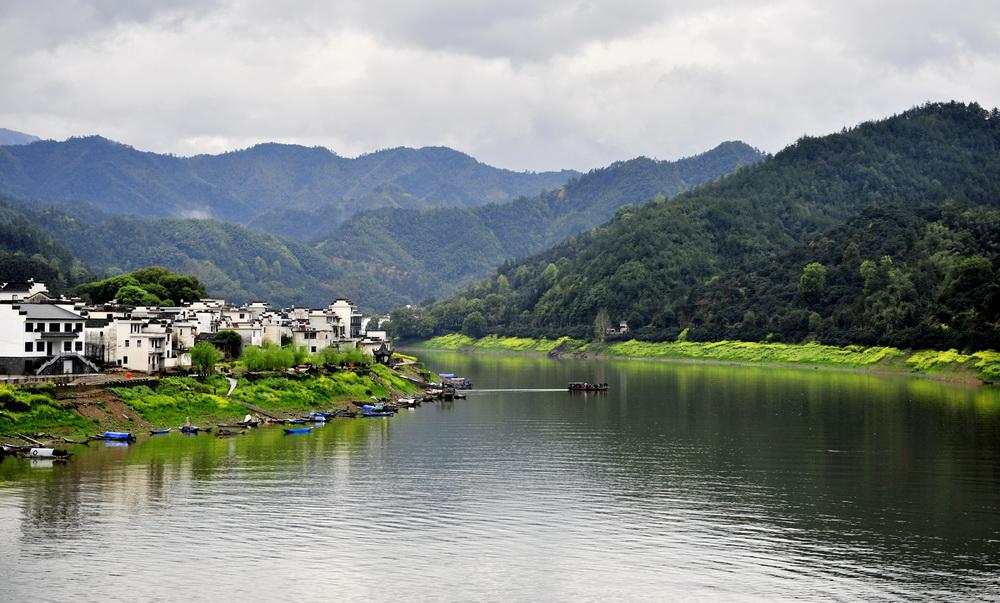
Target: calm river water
x,y
700,482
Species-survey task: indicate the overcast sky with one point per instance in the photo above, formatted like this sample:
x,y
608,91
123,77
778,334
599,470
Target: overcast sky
x,y
522,84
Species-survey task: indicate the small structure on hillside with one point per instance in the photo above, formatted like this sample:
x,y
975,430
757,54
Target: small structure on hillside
x,y
383,354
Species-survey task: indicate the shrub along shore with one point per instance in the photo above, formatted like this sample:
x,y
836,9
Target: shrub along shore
x,y
74,412
983,367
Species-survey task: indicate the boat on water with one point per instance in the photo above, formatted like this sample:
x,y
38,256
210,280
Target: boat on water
x,y
36,452
190,429
118,436
377,413
160,431
585,386
297,430
455,381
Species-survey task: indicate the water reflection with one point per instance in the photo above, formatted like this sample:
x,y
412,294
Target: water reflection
x,y
683,480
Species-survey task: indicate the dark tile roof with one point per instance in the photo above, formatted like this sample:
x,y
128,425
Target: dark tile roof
x,y
48,312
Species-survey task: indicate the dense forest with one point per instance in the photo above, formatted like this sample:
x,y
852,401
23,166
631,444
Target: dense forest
x,y
375,265
256,184
153,286
443,248
667,267
29,251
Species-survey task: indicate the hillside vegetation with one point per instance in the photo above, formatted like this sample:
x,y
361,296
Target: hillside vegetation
x,y
723,249
266,179
443,248
381,260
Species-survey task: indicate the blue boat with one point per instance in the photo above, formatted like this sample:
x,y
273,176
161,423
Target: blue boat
x,y
297,430
117,435
376,413
159,431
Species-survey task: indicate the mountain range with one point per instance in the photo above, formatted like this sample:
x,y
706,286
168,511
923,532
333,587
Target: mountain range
x,y
250,185
381,257
885,233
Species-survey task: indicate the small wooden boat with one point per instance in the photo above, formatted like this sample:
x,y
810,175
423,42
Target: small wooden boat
x,y
119,436
190,429
222,432
584,386
160,431
297,430
34,452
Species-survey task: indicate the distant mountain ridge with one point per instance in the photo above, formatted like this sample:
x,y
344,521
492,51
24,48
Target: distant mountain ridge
x,y
734,257
13,137
443,248
384,258
241,185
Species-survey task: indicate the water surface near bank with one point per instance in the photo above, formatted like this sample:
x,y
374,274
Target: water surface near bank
x,y
682,481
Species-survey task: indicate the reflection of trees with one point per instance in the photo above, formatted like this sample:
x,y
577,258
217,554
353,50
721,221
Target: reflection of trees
x,y
899,471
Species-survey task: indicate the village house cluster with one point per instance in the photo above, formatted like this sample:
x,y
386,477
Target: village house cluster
x,y
41,335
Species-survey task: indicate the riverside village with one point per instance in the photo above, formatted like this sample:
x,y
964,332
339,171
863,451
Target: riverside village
x,y
69,369
45,336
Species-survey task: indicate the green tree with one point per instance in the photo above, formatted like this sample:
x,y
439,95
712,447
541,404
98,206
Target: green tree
x,y
204,357
229,342
812,283
134,295
474,325
601,325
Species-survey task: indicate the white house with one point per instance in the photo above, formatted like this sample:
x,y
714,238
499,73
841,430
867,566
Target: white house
x,y
42,338
141,345
28,290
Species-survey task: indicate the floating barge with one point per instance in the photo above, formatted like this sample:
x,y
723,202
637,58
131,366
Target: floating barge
x,y
584,386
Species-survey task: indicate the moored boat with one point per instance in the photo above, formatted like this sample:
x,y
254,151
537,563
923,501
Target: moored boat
x,y
160,431
297,430
119,436
377,413
584,386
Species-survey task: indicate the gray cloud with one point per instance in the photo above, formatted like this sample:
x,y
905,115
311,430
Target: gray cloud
x,y
568,83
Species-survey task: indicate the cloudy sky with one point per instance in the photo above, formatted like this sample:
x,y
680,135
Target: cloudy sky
x,y
521,84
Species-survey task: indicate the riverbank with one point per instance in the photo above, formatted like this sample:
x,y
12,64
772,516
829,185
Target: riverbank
x,y
980,367
79,412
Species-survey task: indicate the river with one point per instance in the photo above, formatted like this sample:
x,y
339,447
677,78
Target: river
x,y
682,481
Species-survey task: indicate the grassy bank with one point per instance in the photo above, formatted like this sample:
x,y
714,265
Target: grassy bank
x,y
980,365
45,409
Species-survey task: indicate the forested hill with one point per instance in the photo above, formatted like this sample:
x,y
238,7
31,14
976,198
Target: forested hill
x,y
644,265
242,185
28,251
68,243
440,249
912,277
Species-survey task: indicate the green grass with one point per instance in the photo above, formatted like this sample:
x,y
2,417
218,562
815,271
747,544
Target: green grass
x,y
768,353
35,409
984,365
507,344
178,398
